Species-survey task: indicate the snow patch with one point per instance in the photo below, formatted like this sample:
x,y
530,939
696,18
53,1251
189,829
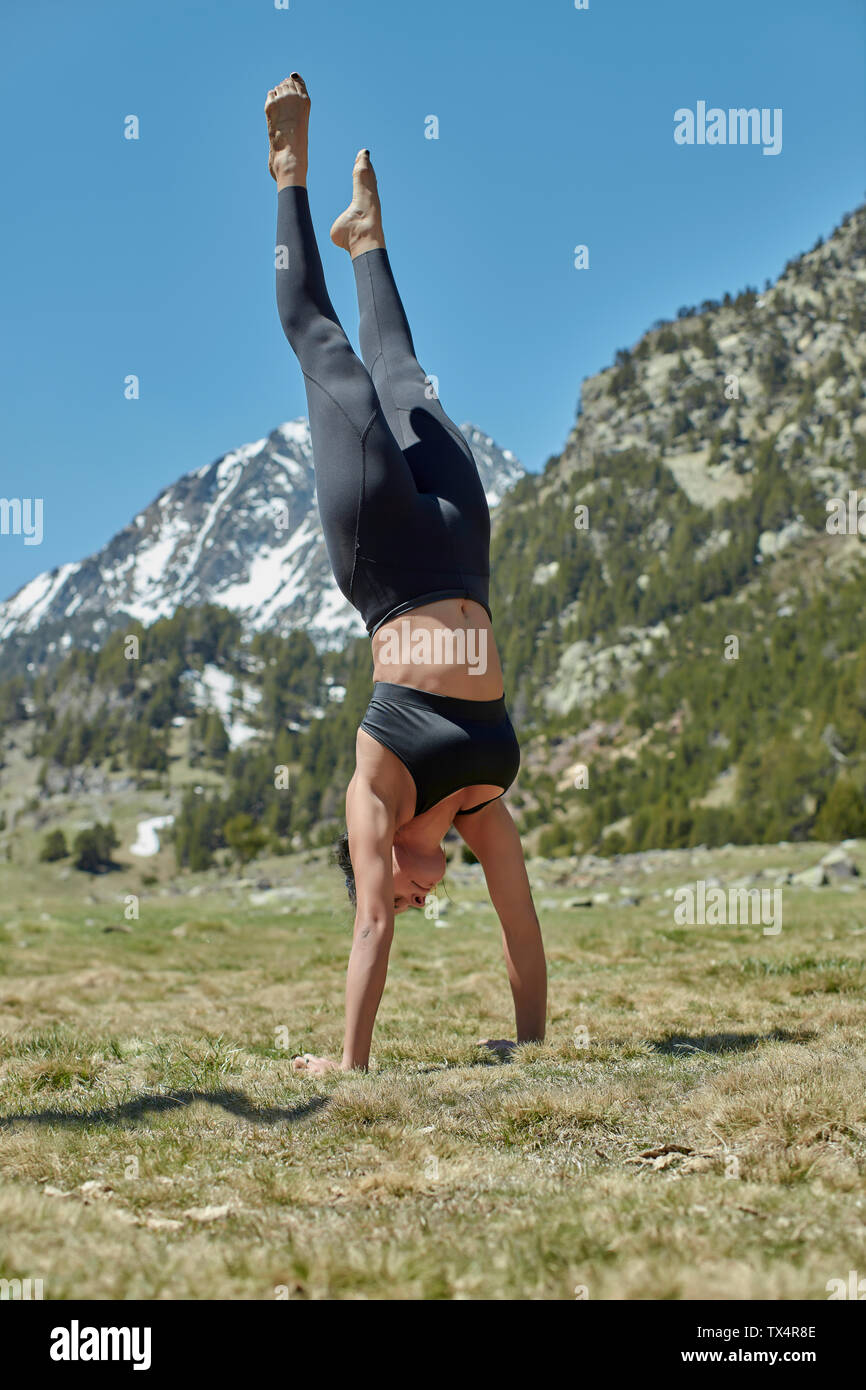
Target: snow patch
x,y
146,838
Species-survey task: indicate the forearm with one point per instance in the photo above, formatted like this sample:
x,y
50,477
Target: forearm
x,y
527,975
365,981
496,844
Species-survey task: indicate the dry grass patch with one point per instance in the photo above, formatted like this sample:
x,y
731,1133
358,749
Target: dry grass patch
x,y
694,1127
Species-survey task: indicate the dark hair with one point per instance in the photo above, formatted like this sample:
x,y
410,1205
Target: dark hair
x,y
343,860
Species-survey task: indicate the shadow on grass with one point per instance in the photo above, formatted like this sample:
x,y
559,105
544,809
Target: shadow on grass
x,y
677,1043
439,1067
235,1102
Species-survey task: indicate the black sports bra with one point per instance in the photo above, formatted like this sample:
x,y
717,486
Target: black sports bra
x,y
445,743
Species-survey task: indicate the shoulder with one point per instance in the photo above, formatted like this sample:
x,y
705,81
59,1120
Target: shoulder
x,y
374,796
369,753
382,774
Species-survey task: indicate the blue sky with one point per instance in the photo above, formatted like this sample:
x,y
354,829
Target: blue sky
x,y
155,256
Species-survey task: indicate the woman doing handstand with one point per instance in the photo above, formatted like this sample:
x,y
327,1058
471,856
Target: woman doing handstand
x,y
408,535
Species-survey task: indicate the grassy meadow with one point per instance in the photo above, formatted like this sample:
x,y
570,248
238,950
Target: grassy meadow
x,y
694,1127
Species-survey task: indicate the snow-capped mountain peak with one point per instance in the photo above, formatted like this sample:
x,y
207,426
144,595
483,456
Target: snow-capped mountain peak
x,y
242,532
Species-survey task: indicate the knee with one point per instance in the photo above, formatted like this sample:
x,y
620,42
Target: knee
x,y
315,339
295,322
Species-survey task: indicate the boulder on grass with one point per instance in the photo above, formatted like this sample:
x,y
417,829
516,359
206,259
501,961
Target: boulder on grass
x,y
838,864
811,878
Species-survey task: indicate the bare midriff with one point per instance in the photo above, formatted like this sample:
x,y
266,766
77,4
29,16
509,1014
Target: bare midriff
x,y
446,648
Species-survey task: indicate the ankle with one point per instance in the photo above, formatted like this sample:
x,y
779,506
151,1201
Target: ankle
x,y
289,167
369,241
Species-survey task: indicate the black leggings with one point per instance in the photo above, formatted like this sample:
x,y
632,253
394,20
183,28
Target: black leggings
x,y
403,510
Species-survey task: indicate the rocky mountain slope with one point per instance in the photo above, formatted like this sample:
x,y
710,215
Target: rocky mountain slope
x,y
710,448
681,591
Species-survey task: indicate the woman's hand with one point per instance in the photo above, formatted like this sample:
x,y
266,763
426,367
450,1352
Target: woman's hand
x,y
309,1065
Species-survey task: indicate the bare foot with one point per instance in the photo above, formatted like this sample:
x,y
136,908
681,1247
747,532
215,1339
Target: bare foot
x,y
359,228
287,111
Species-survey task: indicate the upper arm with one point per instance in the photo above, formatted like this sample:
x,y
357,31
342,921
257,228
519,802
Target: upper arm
x,y
370,823
493,838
